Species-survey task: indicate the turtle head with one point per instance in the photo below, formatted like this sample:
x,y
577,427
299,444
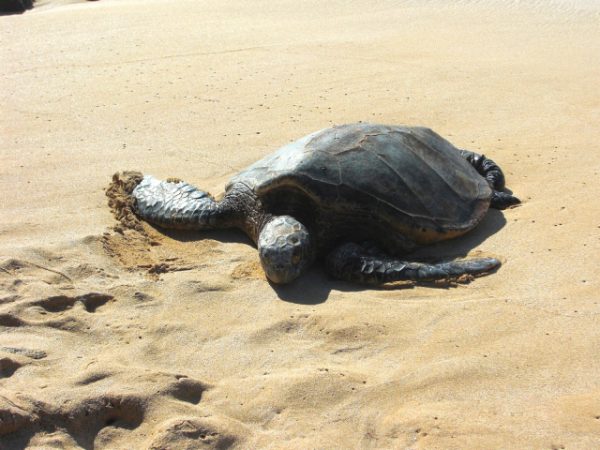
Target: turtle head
x,y
285,249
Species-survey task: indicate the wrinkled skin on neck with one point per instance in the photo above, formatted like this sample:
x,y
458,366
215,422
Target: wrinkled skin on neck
x,y
284,244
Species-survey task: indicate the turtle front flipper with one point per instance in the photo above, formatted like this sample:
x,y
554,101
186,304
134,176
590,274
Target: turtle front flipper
x,y
173,204
352,262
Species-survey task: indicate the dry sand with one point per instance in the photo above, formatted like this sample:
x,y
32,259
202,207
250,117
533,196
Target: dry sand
x,y
109,340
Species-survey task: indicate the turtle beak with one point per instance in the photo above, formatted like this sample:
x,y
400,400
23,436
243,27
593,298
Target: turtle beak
x,y
281,277
278,269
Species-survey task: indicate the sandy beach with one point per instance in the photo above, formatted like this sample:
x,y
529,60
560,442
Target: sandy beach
x,y
115,339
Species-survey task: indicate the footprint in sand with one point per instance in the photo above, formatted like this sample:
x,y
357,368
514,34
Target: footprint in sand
x,y
192,432
59,303
125,403
8,366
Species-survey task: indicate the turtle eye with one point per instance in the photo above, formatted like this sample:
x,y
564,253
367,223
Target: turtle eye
x,y
296,256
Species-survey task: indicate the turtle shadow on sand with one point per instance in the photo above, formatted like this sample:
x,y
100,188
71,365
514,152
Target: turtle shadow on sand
x,y
460,247
315,286
226,236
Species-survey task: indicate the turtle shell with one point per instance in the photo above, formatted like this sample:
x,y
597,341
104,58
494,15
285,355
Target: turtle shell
x,y
374,181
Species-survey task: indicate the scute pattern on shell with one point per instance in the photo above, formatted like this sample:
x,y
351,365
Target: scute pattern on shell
x,y
409,178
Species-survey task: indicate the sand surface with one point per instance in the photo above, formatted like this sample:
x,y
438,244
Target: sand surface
x,y
112,340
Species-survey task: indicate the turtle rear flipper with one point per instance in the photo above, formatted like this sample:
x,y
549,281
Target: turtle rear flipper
x,y
503,200
351,262
177,204
495,178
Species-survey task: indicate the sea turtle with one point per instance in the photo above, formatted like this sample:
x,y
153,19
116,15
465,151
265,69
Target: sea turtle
x,y
343,193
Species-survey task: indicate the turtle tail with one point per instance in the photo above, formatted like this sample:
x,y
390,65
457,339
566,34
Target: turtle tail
x,y
169,204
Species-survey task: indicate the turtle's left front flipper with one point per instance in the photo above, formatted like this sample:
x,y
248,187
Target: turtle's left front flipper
x,y
171,204
351,262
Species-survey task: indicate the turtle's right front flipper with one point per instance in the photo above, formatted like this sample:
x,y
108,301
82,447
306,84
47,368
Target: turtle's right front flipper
x,y
173,204
351,262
